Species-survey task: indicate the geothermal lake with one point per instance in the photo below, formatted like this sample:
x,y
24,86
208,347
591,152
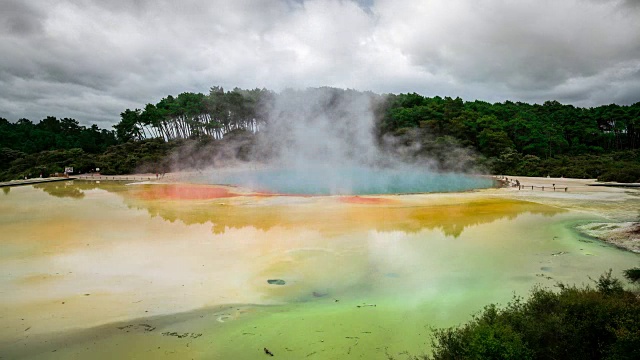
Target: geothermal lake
x,y
355,180
181,271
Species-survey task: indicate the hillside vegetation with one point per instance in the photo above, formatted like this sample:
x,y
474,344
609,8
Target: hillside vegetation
x,y
509,138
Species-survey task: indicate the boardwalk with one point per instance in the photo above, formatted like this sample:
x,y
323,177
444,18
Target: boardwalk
x,y
33,181
137,177
117,177
515,183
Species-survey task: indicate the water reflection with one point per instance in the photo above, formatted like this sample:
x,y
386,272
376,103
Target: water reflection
x,y
66,189
322,246
334,215
224,209
121,253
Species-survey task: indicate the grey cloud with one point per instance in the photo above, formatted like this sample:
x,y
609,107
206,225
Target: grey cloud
x,y
20,19
528,46
92,59
622,3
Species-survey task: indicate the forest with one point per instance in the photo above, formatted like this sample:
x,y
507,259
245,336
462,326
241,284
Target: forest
x,y
517,138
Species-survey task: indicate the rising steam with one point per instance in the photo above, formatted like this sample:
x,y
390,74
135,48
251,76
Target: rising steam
x,y
323,141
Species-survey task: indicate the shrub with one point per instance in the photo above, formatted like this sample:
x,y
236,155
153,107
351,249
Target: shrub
x,y
633,275
622,172
572,323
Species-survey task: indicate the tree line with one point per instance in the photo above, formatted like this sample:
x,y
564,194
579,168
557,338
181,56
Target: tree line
x,y
525,139
54,134
31,149
196,115
545,130
510,137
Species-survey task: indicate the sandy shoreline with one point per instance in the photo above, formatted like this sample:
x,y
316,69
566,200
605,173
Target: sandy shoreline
x,y
618,206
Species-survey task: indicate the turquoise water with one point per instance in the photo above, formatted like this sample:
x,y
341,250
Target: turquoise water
x,y
328,180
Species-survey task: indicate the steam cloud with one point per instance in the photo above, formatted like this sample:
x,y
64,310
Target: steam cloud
x,y
323,141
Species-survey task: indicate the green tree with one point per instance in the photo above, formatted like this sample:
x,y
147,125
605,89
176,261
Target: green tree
x,y
128,128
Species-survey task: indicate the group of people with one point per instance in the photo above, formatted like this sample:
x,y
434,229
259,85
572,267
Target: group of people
x,y
512,182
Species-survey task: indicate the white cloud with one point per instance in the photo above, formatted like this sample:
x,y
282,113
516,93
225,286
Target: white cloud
x,y
92,59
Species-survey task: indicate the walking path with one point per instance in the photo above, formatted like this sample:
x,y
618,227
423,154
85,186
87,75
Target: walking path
x,y
117,177
34,181
136,177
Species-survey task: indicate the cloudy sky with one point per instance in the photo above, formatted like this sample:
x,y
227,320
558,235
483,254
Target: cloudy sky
x,y
91,59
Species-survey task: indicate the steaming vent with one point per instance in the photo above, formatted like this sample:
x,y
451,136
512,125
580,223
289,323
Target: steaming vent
x,y
329,141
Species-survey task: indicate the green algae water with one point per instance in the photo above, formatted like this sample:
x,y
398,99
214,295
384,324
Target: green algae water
x,y
108,270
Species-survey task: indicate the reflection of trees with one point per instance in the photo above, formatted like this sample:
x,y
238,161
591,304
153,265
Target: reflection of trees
x,y
75,188
6,190
325,214
61,189
334,217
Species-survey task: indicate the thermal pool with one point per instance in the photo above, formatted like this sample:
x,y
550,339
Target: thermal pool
x,y
180,271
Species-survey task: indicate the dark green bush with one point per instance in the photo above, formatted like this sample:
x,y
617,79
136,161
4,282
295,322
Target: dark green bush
x,y
572,323
632,275
625,173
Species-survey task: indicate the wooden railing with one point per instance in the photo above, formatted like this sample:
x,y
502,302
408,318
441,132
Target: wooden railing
x,y
118,177
516,183
526,187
